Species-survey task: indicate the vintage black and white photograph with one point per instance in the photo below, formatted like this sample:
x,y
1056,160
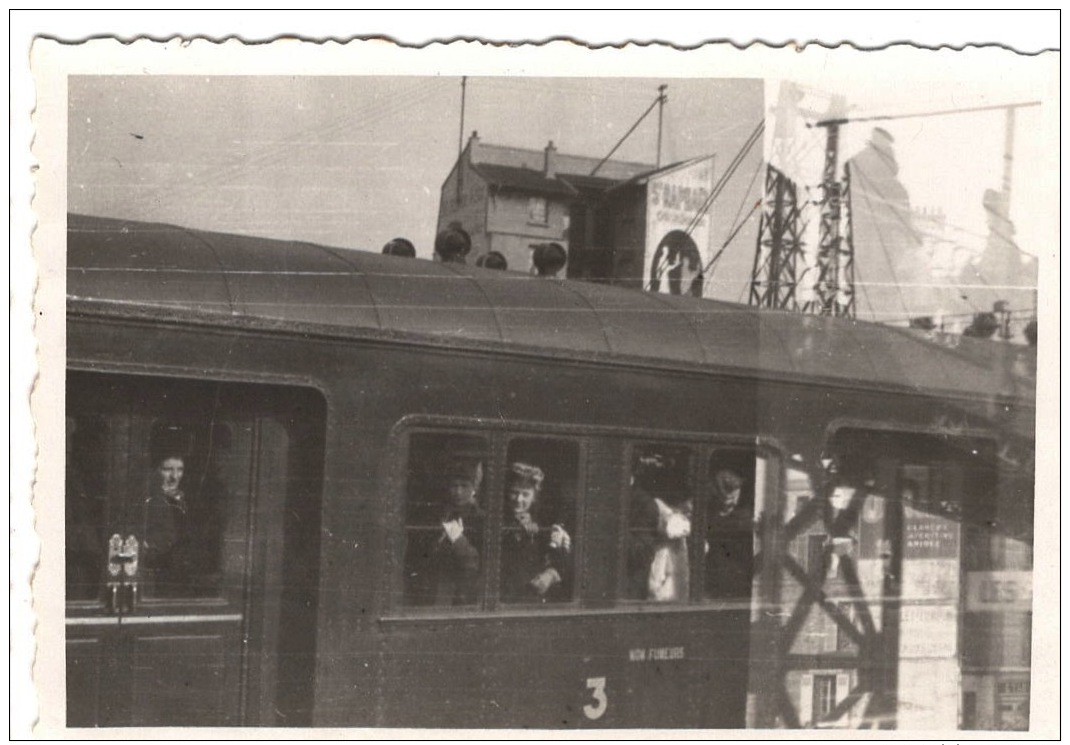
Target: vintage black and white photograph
x,y
544,388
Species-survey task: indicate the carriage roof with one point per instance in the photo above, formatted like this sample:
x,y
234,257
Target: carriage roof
x,y
163,271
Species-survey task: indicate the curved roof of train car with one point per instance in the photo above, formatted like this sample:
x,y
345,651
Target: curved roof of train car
x,y
136,267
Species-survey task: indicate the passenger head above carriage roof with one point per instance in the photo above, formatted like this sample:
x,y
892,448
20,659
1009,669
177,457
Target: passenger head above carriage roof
x,y
453,244
400,247
548,259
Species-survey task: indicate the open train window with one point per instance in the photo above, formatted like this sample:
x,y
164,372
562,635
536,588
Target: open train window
x,y
735,476
538,525
192,543
659,513
445,520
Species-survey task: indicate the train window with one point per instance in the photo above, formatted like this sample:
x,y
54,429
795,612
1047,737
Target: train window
x,y
733,477
445,517
539,521
149,485
659,523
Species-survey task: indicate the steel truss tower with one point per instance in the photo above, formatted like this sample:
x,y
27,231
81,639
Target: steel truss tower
x,y
776,261
834,292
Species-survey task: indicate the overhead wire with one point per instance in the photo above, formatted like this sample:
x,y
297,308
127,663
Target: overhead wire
x,y
719,187
726,176
276,152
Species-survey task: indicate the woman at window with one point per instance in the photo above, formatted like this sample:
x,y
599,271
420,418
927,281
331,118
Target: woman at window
x,y
535,559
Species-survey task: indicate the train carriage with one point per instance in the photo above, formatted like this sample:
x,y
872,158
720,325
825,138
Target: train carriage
x,y
762,519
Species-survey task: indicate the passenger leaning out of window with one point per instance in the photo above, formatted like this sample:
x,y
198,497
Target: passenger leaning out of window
x,y
535,558
166,525
729,542
454,557
660,524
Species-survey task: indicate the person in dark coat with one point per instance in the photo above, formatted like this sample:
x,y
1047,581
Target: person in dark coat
x,y
445,562
536,559
730,539
166,527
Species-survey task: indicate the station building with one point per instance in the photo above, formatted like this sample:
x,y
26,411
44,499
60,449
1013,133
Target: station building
x,y
614,218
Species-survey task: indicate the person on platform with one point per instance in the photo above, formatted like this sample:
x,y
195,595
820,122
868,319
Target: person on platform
x,y
535,558
492,260
548,259
452,245
400,247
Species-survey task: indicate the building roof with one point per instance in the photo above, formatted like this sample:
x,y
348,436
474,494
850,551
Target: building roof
x,y
523,179
567,165
646,176
119,267
594,183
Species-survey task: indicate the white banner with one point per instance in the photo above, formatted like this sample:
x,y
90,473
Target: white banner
x,y
677,247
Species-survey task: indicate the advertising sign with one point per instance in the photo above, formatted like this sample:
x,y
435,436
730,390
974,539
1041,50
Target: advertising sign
x,y
999,591
677,247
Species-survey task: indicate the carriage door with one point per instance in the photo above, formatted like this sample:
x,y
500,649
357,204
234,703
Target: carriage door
x,y
161,483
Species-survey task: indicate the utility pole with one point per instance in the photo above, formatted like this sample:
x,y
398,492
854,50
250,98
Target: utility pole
x,y
662,98
460,133
460,142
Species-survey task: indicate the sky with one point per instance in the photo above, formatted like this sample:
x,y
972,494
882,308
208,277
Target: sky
x,y
353,161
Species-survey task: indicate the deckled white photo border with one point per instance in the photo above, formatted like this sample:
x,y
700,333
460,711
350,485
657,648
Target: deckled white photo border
x,y
53,62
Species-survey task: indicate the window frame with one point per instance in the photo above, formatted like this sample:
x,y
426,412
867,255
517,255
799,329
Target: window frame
x,y
533,218
591,439
498,436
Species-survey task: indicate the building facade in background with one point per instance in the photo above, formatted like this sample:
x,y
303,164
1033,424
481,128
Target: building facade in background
x,y
620,222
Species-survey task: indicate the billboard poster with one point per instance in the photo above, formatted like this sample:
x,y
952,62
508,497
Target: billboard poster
x,y
677,247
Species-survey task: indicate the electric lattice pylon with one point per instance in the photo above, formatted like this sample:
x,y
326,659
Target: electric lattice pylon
x,y
834,291
777,259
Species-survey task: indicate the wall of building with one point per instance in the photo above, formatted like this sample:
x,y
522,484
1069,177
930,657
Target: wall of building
x,y
625,226
512,232
470,210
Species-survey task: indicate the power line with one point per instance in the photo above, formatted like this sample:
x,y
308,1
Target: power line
x,y
278,151
729,172
937,112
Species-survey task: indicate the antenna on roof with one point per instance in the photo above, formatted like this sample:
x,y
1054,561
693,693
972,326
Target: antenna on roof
x,y
460,140
662,98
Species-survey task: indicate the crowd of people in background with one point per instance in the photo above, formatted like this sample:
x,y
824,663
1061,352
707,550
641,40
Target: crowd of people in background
x,y
454,244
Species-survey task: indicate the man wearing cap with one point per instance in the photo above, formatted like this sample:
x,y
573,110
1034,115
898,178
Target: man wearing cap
x,y
535,559
454,557
729,542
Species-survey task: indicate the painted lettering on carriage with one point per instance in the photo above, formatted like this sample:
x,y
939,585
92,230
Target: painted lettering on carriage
x,y
655,654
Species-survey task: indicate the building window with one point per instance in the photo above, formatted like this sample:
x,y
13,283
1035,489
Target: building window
x,y
537,210
824,696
